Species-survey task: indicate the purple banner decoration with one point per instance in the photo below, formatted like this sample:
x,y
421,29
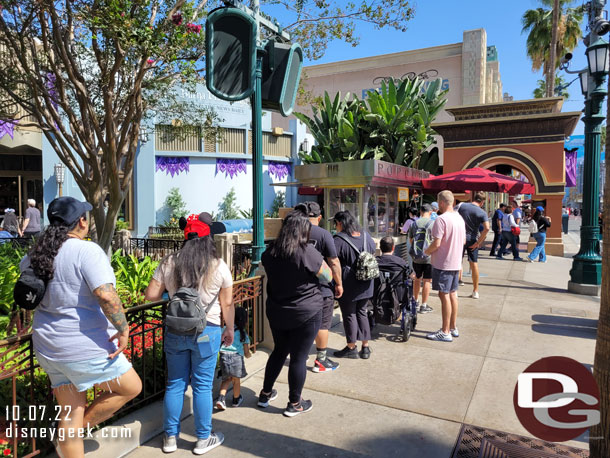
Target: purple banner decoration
x,y
8,128
230,167
571,156
279,170
172,165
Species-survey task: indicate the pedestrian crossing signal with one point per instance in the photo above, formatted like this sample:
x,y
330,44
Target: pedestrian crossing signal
x,y
282,67
230,40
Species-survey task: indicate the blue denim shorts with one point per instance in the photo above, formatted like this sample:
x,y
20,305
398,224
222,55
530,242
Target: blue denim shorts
x,y
445,281
83,374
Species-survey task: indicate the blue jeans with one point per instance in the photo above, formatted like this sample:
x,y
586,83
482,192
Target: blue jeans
x,y
190,359
538,250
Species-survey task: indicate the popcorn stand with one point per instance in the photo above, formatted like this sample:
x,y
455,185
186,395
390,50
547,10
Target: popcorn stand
x,y
371,190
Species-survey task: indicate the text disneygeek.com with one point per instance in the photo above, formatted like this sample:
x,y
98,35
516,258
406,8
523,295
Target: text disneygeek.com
x,y
62,434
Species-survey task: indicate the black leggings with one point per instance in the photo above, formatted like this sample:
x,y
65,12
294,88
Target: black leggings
x,y
355,320
296,342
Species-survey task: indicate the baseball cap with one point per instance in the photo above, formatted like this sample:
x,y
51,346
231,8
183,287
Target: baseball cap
x,y
205,218
67,209
194,228
426,208
313,209
539,208
435,205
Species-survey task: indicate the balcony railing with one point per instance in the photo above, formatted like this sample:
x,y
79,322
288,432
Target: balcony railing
x,y
25,387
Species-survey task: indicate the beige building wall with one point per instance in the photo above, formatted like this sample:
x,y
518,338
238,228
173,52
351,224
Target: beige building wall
x,y
463,68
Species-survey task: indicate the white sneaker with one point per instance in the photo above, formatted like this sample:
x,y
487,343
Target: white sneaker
x,y
475,295
205,445
169,444
441,336
455,332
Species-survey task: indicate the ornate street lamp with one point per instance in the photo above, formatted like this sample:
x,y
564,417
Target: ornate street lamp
x,y
584,83
60,174
586,272
597,58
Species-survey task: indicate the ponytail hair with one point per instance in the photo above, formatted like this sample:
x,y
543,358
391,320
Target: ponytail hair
x,y
44,251
241,319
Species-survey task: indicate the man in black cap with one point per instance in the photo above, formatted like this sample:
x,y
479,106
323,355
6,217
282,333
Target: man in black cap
x,y
323,242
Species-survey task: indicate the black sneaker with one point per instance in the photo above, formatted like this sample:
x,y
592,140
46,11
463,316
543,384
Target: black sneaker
x,y
301,407
365,353
347,352
326,365
264,399
461,283
221,403
237,401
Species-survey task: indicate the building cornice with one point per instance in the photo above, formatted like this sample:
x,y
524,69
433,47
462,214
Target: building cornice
x,y
384,60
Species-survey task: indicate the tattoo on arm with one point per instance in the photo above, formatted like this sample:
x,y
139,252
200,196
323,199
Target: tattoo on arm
x,y
325,273
111,306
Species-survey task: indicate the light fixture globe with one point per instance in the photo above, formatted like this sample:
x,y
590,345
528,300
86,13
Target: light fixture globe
x,y
584,83
598,58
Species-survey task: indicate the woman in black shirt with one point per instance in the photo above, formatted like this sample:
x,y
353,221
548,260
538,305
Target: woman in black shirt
x,y
294,307
356,293
540,236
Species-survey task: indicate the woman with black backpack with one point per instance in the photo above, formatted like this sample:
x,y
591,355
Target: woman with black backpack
x,y
350,242
194,274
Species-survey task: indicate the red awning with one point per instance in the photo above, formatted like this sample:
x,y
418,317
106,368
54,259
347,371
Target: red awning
x,y
477,179
310,191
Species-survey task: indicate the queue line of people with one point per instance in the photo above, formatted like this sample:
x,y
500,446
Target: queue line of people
x,y
307,269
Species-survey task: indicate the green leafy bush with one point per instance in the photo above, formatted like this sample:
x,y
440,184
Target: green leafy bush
x,y
227,208
132,276
176,207
278,202
10,256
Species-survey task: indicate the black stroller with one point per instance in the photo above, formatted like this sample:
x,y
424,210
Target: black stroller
x,y
393,300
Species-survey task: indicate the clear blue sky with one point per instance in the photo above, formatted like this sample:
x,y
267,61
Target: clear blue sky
x,y
443,21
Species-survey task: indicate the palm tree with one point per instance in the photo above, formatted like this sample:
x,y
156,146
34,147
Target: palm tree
x,y
541,89
538,23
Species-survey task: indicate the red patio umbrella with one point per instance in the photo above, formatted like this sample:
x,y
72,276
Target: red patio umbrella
x,y
477,179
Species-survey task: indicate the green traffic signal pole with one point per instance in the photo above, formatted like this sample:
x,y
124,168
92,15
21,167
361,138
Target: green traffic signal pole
x,y
586,272
258,239
258,242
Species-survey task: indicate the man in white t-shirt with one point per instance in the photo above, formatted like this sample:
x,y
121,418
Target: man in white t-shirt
x,y
448,238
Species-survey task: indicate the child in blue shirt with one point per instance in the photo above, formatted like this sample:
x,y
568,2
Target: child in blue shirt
x,y
232,364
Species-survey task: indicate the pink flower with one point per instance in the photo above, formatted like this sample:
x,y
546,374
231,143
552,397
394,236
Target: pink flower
x,y
193,28
150,61
177,19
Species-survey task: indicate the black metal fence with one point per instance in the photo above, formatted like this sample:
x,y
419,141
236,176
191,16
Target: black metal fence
x,y
24,385
162,232
155,248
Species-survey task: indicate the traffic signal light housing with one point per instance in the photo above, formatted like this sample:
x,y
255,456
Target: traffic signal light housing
x,y
230,39
282,67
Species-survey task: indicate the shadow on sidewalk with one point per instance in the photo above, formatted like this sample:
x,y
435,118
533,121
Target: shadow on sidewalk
x,y
565,326
529,286
258,442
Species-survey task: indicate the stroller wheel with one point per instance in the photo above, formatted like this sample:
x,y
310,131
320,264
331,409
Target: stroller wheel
x,y
413,323
406,328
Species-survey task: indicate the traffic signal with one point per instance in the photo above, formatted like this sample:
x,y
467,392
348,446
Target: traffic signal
x,y
281,74
230,40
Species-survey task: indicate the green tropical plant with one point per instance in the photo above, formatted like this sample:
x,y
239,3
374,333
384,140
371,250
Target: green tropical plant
x,y
228,208
132,276
10,257
278,202
393,124
121,225
540,91
247,214
538,24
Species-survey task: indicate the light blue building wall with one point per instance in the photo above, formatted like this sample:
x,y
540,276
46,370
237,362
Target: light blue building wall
x,y
201,186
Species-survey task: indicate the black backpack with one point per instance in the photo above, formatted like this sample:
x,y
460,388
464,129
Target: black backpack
x,y
185,312
29,290
387,298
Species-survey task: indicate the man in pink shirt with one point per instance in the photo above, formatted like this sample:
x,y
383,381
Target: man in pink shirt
x,y
448,238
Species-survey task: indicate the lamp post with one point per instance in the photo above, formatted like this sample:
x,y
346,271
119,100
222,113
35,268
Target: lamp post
x,y
586,272
60,173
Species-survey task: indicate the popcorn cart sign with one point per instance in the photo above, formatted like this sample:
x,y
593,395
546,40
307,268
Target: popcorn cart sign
x,y
403,194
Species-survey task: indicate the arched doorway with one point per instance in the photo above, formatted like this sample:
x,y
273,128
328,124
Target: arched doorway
x,y
527,136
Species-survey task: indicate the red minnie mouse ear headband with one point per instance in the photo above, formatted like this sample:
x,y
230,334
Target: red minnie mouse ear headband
x,y
195,228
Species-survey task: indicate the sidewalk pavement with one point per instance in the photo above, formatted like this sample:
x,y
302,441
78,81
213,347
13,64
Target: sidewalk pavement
x,y
410,399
